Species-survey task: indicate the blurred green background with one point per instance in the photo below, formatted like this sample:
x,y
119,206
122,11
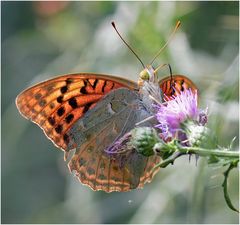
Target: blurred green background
x,y
44,39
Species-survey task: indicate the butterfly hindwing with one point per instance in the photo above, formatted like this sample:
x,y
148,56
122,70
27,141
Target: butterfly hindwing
x,y
173,86
111,118
55,105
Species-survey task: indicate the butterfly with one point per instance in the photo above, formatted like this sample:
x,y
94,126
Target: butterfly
x,y
91,113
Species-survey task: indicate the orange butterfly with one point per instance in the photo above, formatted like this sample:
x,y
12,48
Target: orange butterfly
x,y
90,112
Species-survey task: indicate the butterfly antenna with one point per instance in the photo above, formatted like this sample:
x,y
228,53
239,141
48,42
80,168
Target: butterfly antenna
x,y
113,24
170,70
169,39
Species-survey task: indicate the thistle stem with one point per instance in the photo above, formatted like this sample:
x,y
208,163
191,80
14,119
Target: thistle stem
x,y
170,160
209,152
180,150
225,188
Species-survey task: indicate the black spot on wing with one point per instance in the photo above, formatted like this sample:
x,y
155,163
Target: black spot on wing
x,y
173,89
59,129
42,102
95,83
113,84
69,118
66,138
64,89
38,96
73,102
51,120
69,81
60,111
60,99
182,87
52,105
104,85
83,90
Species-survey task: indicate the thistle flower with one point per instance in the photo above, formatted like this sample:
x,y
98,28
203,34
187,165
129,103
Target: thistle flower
x,y
173,114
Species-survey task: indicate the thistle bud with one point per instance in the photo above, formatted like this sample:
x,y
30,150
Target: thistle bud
x,y
144,140
195,133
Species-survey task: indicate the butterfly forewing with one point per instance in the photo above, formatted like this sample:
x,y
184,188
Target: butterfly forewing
x,y
55,105
111,118
173,86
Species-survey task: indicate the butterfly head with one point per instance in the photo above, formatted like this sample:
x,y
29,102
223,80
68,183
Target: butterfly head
x,y
147,74
149,88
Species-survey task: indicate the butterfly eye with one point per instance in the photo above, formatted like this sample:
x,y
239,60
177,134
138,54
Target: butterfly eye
x,y
144,74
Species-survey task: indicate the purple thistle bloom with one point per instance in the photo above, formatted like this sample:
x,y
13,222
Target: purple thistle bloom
x,y
172,113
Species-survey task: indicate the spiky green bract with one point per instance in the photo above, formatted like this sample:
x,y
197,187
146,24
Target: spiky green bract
x,y
165,149
147,142
144,139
